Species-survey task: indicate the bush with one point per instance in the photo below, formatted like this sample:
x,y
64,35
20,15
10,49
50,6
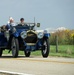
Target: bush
x,y
65,37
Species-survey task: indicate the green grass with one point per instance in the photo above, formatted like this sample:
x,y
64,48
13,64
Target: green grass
x,y
63,51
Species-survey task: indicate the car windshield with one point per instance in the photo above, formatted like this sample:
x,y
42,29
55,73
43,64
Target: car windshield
x,y
26,26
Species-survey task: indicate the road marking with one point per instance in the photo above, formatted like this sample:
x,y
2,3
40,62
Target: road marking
x,y
38,60
9,72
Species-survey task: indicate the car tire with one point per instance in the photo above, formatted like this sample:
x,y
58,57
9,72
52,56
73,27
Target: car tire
x,y
46,49
1,51
27,53
15,47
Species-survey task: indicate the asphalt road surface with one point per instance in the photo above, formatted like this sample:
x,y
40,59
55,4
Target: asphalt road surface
x,y
37,65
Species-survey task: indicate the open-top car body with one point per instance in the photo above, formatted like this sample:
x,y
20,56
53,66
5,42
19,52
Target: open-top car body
x,y
25,38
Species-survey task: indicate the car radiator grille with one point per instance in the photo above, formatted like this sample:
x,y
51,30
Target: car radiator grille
x,y
31,37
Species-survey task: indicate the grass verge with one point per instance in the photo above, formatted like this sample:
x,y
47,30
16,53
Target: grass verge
x,y
63,51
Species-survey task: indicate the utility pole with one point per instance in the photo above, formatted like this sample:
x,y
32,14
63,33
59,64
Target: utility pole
x,y
73,40
56,43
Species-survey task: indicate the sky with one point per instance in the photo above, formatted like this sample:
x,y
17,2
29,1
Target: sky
x,y
49,13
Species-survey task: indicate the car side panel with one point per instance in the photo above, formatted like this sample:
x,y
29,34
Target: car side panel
x,y
3,40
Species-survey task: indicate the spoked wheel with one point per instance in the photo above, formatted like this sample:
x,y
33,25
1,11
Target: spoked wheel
x,y
45,50
15,47
27,53
1,51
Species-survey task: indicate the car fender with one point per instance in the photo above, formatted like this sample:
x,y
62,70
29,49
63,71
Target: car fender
x,y
47,35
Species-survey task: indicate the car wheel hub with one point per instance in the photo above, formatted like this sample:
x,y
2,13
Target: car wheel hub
x,y
45,50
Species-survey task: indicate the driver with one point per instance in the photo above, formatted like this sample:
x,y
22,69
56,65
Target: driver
x,y
22,23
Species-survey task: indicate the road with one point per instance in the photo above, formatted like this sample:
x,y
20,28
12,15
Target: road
x,y
38,65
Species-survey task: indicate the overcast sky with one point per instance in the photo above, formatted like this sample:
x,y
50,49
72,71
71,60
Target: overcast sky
x,y
50,13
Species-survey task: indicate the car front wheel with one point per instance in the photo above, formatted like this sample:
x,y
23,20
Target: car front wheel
x,y
46,48
15,47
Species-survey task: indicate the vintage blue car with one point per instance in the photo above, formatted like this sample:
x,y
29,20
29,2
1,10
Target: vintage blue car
x,y
25,38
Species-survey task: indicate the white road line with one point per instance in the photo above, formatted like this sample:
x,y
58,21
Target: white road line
x,y
8,72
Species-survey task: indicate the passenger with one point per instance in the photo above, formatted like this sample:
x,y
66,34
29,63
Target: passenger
x,y
3,28
10,23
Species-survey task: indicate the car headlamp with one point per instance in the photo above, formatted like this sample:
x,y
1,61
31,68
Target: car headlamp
x,y
23,34
40,35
